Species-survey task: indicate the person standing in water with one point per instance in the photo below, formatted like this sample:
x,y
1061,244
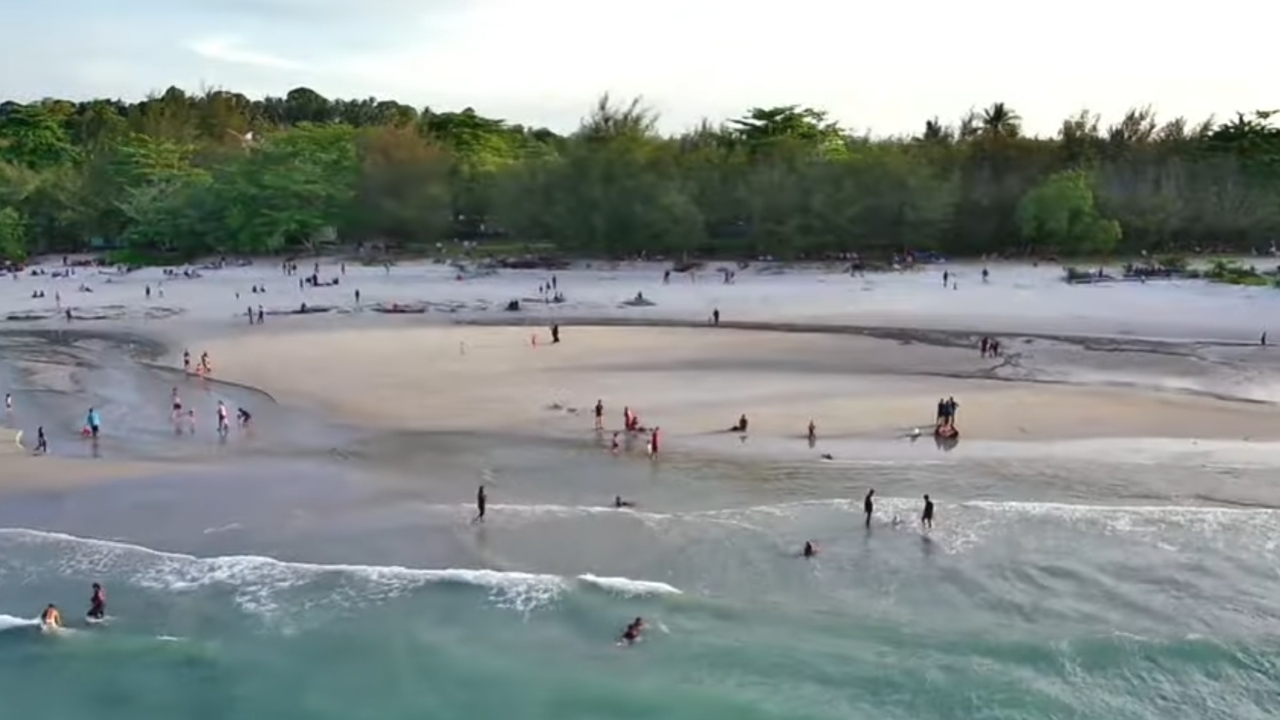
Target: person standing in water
x,y
926,517
94,421
97,603
481,499
868,505
224,426
186,361
599,414
42,445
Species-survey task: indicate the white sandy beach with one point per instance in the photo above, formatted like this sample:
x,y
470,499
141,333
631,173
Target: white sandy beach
x,y
694,382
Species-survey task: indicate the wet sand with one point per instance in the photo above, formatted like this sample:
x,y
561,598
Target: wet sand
x,y
22,470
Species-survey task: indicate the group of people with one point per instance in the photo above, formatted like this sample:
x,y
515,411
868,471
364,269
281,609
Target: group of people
x,y
204,368
630,424
990,347
947,412
51,618
243,417
810,549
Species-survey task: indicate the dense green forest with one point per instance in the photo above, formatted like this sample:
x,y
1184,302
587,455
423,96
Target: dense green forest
x,y
181,175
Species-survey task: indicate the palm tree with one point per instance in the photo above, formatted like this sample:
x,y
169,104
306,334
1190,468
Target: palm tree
x,y
1000,121
935,131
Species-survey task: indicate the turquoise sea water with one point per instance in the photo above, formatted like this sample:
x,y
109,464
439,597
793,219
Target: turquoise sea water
x,y
1007,609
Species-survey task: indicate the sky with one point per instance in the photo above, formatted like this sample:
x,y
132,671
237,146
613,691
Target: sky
x,y
874,66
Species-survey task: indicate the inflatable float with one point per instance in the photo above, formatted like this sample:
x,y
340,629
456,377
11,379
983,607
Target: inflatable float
x,y
946,432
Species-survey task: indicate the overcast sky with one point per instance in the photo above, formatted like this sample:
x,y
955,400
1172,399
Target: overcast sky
x,y
886,66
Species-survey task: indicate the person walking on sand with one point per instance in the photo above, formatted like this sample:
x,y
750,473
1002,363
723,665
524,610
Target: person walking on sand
x,y
868,506
42,444
926,517
481,498
600,414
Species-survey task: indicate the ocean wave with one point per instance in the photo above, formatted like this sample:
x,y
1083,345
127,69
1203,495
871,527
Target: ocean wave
x,y
259,581
629,587
9,622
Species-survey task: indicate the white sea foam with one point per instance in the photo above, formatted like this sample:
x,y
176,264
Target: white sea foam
x,y
629,587
8,622
258,581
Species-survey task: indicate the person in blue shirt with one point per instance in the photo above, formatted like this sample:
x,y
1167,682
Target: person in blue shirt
x,y
94,421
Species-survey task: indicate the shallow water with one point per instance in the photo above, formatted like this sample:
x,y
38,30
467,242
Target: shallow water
x,y
386,601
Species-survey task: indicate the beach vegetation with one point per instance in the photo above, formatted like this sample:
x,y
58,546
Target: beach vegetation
x,y
180,175
1235,273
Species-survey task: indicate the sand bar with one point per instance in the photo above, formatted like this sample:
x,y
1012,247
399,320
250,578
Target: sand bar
x,y
694,382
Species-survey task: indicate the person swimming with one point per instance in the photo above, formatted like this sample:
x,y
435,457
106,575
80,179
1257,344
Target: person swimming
x,y
810,550
618,502
51,618
97,603
633,632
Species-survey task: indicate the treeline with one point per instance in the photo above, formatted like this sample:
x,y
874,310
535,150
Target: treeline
x,y
186,175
